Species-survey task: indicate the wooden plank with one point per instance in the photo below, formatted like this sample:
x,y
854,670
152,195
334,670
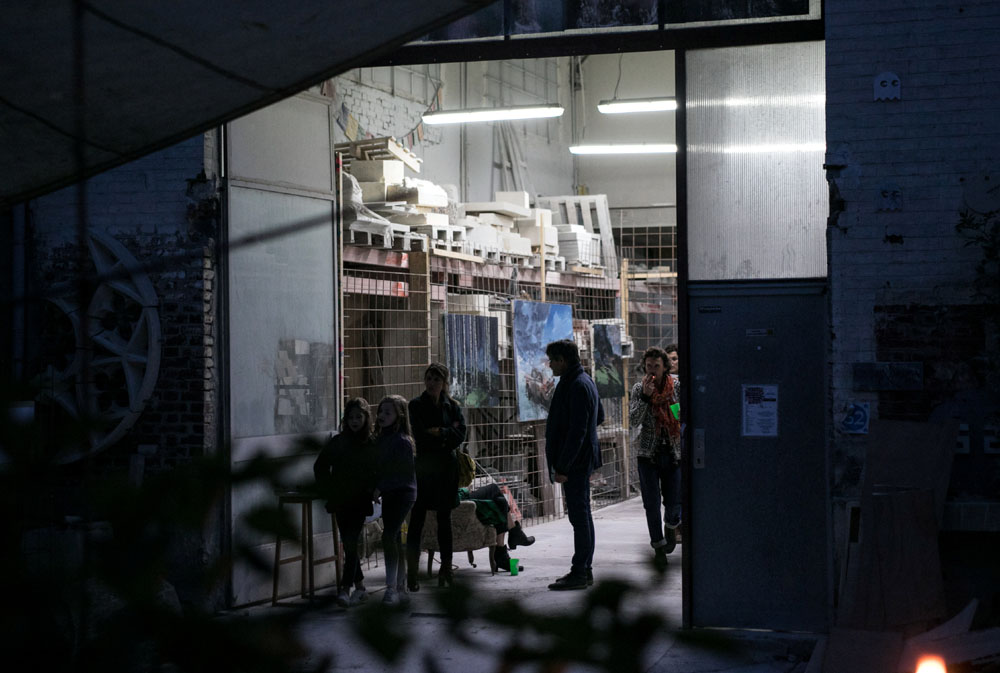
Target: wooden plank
x,y
456,255
509,209
385,147
643,275
591,271
608,253
586,220
913,454
899,581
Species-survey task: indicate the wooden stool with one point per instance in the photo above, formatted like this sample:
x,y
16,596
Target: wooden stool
x,y
305,557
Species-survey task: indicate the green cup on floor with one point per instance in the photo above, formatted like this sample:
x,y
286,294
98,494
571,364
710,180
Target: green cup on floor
x,y
513,566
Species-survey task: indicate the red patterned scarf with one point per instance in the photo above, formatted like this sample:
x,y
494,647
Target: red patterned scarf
x,y
662,399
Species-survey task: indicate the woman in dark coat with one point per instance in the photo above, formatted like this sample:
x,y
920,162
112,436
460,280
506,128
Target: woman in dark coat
x,y
345,476
439,429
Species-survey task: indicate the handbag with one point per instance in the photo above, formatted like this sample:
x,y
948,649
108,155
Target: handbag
x,y
466,469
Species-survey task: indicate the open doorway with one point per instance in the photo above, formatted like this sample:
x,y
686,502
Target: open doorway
x,y
536,243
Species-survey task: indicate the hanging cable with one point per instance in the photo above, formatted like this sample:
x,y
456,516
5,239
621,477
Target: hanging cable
x,y
620,57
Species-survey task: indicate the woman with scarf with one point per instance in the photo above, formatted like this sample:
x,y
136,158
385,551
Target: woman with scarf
x,y
654,409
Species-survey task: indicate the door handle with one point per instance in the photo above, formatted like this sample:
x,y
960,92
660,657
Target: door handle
x,y
699,448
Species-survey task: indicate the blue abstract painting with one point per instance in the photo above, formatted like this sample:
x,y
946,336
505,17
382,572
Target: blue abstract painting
x,y
536,324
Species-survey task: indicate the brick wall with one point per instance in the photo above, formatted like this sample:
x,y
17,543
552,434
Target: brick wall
x,y
924,150
383,114
900,172
163,209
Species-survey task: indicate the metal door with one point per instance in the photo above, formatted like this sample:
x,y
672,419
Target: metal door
x,y
758,501
752,224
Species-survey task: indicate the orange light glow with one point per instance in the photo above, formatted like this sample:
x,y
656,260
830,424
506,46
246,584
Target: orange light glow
x,y
931,664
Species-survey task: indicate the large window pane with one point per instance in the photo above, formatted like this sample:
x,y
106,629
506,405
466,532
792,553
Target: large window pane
x,y
757,192
281,324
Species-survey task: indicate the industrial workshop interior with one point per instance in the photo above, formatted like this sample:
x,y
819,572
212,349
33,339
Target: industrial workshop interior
x,y
475,244
446,231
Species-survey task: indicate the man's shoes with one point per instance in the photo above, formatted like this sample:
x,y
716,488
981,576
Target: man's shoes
x,y
344,598
571,582
590,577
516,536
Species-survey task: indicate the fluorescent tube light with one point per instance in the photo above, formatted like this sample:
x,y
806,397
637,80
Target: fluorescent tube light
x,y
493,114
610,107
642,148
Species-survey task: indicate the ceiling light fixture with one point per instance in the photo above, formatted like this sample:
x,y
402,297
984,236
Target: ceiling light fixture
x,y
615,106
640,148
493,114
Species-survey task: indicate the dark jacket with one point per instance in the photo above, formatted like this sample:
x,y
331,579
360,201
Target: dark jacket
x,y
345,473
395,471
571,429
437,464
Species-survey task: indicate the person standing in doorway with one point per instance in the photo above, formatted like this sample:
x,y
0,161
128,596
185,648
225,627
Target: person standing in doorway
x,y
572,453
396,485
654,409
439,429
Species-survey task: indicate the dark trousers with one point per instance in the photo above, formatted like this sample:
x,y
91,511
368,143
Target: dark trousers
x,y
660,480
416,528
577,490
350,523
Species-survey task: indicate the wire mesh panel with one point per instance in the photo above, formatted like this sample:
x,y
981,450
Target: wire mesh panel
x,y
408,310
386,337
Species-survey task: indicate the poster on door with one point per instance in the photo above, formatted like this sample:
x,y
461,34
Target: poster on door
x,y
760,410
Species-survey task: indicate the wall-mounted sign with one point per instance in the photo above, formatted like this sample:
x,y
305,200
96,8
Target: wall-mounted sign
x,y
760,410
856,420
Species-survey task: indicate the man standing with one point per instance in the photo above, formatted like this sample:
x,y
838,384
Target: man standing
x,y
572,453
654,409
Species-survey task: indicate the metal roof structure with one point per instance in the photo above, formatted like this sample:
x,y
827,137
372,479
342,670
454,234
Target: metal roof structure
x,y
88,85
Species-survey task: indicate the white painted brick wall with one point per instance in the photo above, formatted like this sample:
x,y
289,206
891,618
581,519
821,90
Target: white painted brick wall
x,y
383,114
943,131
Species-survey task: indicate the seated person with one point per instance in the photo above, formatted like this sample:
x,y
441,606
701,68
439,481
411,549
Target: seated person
x,y
495,507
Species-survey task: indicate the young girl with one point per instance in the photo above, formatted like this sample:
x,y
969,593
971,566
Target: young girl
x,y
345,476
396,484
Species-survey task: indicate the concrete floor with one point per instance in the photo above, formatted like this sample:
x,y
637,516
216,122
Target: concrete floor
x,y
622,553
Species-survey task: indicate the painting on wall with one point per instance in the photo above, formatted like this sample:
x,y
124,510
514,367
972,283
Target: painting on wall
x,y
536,324
609,368
472,344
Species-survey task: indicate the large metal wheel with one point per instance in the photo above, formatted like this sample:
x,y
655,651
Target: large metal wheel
x,y
123,329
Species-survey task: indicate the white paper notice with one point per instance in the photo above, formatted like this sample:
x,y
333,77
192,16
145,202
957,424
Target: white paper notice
x,y
760,410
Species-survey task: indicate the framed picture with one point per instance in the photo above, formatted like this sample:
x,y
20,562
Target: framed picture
x,y
536,324
609,367
472,344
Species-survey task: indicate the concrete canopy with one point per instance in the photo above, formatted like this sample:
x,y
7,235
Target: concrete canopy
x,y
154,73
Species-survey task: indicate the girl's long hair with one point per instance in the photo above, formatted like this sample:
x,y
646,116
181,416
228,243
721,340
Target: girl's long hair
x,y
402,423
361,404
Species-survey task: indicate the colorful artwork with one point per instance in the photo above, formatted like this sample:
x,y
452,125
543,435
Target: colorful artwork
x,y
609,369
472,343
536,324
